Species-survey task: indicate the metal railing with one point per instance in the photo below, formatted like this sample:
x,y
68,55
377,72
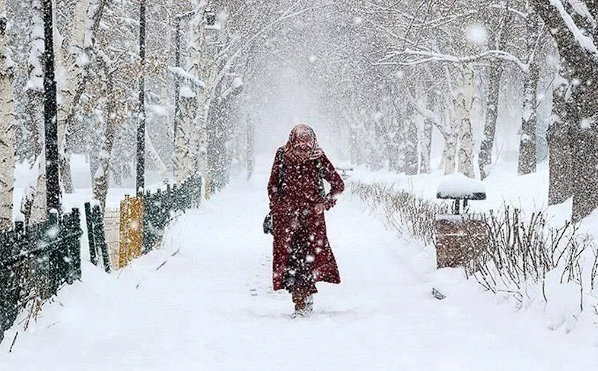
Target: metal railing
x,y
160,207
36,261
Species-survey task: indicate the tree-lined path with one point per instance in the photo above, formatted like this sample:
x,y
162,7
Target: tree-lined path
x,y
210,307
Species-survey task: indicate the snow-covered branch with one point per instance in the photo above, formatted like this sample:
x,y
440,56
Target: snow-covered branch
x,y
583,40
185,76
518,13
428,56
289,14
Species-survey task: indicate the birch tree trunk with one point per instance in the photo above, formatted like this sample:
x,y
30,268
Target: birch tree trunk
x,y
70,27
450,152
33,205
183,135
7,136
38,208
200,67
463,107
426,138
81,76
200,144
101,178
449,132
527,144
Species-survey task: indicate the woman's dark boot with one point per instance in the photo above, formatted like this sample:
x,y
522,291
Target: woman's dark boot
x,y
299,299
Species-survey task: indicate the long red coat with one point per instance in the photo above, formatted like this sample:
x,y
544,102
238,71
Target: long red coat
x,y
294,207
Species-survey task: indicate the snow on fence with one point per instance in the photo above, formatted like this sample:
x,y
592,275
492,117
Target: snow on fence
x,y
138,225
161,206
35,261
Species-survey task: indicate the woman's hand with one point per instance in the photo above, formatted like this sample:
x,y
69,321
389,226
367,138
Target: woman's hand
x,y
319,208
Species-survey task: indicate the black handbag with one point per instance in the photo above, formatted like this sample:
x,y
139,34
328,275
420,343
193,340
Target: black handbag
x,y
268,229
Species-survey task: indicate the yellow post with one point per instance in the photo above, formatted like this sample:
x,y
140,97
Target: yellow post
x,y
131,230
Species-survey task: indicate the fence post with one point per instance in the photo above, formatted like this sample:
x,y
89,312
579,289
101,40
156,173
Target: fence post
x,y
67,272
99,236
75,243
93,254
131,229
5,288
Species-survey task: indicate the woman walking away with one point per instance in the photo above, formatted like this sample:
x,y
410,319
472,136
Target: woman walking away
x,y
302,254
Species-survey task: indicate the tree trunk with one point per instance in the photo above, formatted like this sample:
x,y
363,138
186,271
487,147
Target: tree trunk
x,y
495,73
38,207
199,143
426,138
69,22
466,148
392,140
184,132
449,132
101,178
140,178
450,153
203,70
250,156
584,170
53,199
559,148
527,144
582,67
7,136
33,203
485,155
463,106
82,35
411,156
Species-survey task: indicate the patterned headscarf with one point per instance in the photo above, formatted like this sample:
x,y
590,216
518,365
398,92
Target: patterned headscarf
x,y
303,135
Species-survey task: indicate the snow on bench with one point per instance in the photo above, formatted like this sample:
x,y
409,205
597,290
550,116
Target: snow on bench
x,y
459,187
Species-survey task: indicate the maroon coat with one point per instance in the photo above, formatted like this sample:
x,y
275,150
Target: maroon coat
x,y
294,207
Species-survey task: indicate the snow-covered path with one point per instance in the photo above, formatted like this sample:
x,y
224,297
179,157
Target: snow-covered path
x,y
210,307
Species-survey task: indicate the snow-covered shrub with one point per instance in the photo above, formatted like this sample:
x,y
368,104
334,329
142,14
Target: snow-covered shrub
x,y
526,258
406,213
525,252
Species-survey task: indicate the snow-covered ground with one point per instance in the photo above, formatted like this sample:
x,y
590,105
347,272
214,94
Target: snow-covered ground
x,y
211,307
